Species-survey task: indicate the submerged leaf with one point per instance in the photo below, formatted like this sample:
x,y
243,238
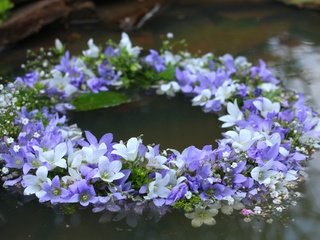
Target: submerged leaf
x,y
91,101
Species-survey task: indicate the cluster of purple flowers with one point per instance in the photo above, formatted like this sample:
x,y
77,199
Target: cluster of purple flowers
x,y
271,133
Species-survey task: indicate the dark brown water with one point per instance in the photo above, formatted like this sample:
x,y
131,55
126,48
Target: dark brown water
x,y
288,38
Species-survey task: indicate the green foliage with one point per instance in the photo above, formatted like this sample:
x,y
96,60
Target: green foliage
x,y
138,176
91,101
5,6
187,204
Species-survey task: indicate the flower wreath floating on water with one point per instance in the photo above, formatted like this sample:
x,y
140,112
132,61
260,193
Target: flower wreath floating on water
x,y
255,169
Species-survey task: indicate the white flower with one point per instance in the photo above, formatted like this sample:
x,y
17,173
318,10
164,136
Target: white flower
x,y
61,83
157,188
58,45
126,44
92,153
109,171
170,58
155,161
93,51
242,140
170,88
264,174
71,132
202,216
128,152
202,98
55,156
34,183
234,115
268,87
5,170
10,140
225,91
265,106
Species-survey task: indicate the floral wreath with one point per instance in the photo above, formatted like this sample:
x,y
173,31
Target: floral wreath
x,y
255,168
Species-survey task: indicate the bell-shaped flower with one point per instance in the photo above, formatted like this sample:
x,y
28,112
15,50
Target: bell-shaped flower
x,y
265,106
128,152
33,183
264,174
53,191
234,115
155,160
93,51
158,187
202,98
109,171
225,91
170,88
241,140
60,83
125,43
55,156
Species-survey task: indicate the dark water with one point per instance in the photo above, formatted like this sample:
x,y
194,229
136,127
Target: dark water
x,y
288,38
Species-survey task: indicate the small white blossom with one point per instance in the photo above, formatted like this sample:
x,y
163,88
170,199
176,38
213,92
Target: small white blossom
x,y
58,45
5,170
16,148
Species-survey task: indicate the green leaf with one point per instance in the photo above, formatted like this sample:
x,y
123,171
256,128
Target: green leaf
x,y
91,101
168,74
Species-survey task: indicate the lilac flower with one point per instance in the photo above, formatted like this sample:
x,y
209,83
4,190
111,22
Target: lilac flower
x,y
263,72
156,61
97,85
29,79
54,192
82,192
109,171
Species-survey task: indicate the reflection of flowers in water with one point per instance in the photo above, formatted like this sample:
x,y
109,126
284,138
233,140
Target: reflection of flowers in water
x,y
133,213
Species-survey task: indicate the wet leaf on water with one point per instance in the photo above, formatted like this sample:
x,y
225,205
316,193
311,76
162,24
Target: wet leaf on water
x,y
91,101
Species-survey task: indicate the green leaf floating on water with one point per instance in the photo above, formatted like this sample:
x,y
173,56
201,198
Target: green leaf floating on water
x,y
91,101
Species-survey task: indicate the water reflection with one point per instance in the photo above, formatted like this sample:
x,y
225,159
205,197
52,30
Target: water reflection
x,y
298,64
